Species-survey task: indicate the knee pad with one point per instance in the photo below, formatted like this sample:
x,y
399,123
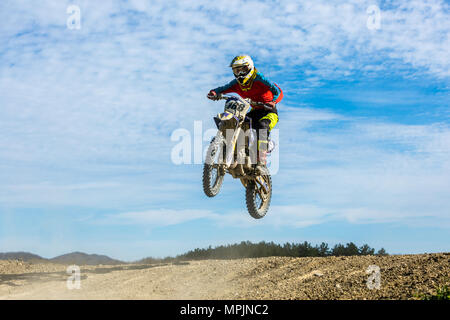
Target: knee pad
x,y
270,120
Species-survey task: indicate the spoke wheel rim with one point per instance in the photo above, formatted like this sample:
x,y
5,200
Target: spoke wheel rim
x,y
215,171
259,202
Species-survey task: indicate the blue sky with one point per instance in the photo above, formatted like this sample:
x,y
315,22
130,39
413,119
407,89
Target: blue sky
x,y
87,117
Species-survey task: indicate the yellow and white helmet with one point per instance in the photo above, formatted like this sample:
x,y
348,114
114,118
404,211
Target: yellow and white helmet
x,y
243,69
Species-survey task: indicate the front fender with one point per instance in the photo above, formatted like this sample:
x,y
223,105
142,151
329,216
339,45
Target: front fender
x,y
222,117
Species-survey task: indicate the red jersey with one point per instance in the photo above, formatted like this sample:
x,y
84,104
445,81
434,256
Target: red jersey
x,y
259,90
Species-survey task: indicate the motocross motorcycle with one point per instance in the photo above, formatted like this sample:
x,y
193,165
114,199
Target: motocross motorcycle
x,y
234,150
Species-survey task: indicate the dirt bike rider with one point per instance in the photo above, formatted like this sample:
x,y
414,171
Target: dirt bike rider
x,y
249,83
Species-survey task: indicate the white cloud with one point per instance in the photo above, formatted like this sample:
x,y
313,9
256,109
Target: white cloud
x,y
104,99
280,216
160,217
365,171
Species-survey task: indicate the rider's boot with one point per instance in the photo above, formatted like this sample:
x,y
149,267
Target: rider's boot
x,y
262,156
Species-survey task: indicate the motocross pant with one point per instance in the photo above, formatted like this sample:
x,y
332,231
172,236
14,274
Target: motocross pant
x,y
263,121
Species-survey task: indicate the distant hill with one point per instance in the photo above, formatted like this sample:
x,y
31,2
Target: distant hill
x,y
25,256
81,258
78,258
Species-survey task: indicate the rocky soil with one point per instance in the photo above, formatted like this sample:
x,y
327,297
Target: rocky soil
x,y
279,278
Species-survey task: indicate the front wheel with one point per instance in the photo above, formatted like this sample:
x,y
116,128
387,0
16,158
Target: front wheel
x,y
212,176
258,200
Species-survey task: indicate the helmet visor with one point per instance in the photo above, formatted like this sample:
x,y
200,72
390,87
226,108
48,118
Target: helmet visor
x,y
241,71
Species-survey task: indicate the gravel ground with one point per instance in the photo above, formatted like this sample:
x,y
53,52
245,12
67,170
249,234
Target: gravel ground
x,y
279,278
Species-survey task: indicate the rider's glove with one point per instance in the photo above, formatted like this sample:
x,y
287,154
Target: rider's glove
x,y
212,95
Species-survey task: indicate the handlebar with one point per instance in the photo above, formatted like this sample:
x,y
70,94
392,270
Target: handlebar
x,y
247,101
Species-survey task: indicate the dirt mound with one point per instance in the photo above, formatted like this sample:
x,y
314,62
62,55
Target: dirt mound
x,y
357,277
400,277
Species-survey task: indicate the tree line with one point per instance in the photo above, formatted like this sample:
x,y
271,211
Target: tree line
x,y
247,249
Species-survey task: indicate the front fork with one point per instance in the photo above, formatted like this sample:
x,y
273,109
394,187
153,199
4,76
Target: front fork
x,y
262,186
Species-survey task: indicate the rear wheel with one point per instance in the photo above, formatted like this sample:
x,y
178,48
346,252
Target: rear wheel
x,y
212,175
258,200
